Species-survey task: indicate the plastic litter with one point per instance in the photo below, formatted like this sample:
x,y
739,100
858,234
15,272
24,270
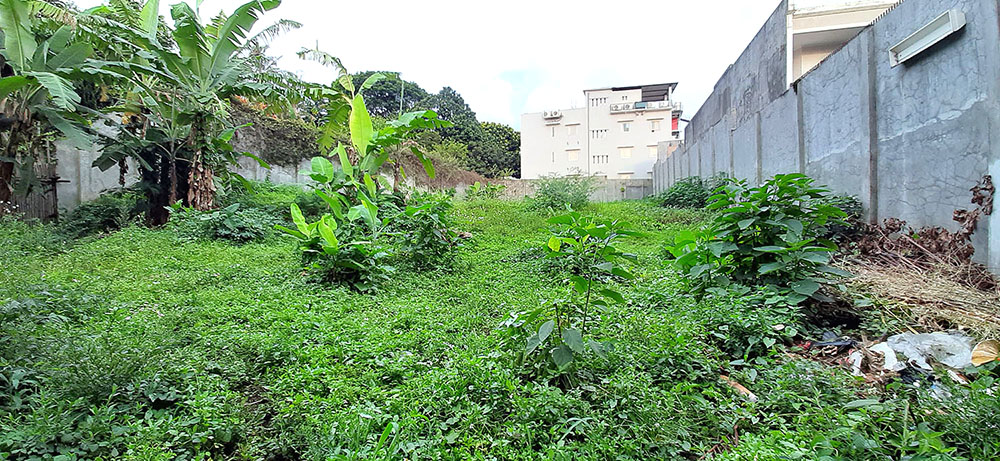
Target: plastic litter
x,y
833,344
739,388
958,377
986,352
891,363
951,349
855,359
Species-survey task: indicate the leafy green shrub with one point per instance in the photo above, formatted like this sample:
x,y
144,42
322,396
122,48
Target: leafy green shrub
x,y
686,193
556,192
691,192
480,191
346,244
591,243
343,247
767,235
426,230
275,199
230,223
110,212
851,227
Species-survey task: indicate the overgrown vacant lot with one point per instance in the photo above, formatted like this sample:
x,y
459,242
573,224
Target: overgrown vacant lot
x,y
143,345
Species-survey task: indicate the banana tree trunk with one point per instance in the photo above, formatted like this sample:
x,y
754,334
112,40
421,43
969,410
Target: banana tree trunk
x,y
201,186
6,167
6,181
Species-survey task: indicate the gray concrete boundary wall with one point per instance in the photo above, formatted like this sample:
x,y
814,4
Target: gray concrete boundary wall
x,y
909,141
605,189
80,182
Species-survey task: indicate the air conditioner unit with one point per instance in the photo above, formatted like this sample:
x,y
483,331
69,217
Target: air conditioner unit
x,y
551,114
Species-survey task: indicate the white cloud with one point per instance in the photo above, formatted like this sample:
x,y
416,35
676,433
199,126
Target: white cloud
x,y
518,56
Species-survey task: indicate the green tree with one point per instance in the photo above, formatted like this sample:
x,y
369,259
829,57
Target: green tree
x,y
185,88
37,97
501,154
450,106
383,98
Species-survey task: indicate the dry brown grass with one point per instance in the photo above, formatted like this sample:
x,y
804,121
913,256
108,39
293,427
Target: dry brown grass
x,y
957,295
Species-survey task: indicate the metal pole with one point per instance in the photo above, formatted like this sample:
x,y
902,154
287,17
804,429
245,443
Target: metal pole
x,y
402,84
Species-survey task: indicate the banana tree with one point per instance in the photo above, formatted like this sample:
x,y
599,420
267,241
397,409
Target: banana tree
x,y
352,192
188,87
370,150
37,97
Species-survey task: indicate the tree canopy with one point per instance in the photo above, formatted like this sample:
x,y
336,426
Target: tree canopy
x,y
494,149
383,98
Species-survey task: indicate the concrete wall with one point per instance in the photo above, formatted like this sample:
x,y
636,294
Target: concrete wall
x,y
80,182
909,141
606,190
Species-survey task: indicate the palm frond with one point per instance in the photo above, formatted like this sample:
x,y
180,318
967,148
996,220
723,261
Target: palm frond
x,y
263,38
232,34
324,58
216,24
53,12
149,18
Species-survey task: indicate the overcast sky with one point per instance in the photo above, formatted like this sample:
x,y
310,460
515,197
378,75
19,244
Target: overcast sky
x,y
517,56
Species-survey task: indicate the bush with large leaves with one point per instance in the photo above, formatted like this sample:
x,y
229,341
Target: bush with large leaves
x,y
549,340
771,235
347,244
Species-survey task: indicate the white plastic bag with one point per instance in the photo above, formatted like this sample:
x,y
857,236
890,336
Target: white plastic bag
x,y
951,349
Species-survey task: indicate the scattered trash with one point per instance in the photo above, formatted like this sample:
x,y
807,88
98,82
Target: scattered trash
x,y
831,344
915,376
855,360
739,388
958,377
890,361
951,349
939,392
986,352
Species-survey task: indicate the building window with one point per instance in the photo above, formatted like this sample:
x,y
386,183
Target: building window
x,y
625,98
626,127
652,151
598,134
625,152
573,155
654,125
596,102
571,130
600,159
553,157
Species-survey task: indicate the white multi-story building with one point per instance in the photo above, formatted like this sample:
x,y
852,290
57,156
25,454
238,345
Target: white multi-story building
x,y
615,135
817,28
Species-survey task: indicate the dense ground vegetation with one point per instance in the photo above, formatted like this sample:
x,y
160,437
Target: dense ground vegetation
x,y
197,315
151,344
